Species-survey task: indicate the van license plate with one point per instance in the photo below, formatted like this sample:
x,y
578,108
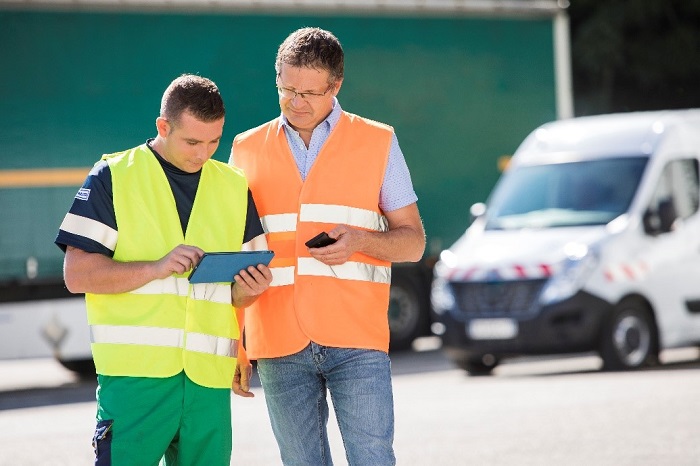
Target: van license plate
x,y
492,329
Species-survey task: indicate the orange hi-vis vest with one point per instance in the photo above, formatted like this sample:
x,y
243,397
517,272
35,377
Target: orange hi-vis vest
x,y
340,306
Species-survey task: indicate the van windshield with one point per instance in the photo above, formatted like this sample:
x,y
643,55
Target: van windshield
x,y
590,192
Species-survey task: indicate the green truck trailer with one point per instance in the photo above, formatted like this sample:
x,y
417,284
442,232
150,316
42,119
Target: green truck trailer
x,y
462,82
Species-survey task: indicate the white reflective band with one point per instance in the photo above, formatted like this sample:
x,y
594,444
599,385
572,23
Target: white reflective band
x,y
130,335
347,271
170,285
340,214
259,243
90,228
210,344
168,337
279,222
282,276
214,292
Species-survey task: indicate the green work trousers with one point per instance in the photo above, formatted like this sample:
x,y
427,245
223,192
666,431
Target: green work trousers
x,y
172,421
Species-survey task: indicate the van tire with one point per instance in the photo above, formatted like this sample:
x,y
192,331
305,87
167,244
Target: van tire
x,y
478,365
408,313
84,368
630,338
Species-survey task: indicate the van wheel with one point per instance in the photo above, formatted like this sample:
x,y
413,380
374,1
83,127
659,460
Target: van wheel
x,y
407,313
479,365
630,339
84,368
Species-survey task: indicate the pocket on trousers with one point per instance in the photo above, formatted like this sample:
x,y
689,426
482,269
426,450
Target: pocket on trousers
x,y
102,443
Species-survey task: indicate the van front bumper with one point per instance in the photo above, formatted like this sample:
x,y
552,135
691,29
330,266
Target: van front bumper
x,y
570,326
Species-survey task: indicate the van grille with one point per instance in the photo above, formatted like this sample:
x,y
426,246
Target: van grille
x,y
498,298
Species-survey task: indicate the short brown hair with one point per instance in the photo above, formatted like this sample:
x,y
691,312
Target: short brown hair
x,y
312,48
195,94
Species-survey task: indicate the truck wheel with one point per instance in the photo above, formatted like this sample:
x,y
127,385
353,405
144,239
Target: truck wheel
x,y
407,312
479,365
630,339
85,368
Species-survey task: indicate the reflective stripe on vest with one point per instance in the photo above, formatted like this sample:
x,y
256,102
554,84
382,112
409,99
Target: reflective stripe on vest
x,y
209,344
326,213
347,271
282,276
279,222
168,337
275,224
341,214
214,292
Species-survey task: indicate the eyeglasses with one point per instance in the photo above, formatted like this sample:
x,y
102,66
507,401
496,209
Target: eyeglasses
x,y
307,96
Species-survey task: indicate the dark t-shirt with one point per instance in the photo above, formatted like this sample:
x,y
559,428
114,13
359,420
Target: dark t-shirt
x,y
94,201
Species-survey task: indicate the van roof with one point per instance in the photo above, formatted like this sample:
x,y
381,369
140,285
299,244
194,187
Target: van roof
x,y
616,134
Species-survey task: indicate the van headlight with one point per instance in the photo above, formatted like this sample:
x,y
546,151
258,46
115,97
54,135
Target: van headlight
x,y
441,296
571,274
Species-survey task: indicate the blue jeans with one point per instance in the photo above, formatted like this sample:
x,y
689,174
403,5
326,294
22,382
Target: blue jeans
x,y
359,382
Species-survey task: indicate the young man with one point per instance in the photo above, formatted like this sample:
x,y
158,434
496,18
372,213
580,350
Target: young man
x,y
165,350
323,325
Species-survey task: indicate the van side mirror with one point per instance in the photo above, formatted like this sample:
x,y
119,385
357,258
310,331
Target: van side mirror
x,y
667,214
477,210
660,220
650,221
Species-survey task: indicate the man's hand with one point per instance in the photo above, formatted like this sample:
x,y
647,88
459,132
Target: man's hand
x,y
91,272
403,242
241,379
249,284
348,241
178,261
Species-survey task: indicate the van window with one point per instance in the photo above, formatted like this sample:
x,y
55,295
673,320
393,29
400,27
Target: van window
x,y
591,192
675,196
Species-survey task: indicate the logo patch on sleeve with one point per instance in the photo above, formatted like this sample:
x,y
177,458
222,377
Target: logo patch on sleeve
x,y
83,194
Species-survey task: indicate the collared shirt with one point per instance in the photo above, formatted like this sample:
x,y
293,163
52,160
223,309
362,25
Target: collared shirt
x,y
397,188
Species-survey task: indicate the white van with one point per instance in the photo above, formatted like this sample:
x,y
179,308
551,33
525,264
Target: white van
x,y
590,241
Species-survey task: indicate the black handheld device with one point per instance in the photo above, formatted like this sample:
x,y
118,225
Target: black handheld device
x,y
320,240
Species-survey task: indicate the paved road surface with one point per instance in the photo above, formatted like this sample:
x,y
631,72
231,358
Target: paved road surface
x,y
560,411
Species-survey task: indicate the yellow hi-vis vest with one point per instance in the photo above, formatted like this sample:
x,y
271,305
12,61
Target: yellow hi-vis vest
x,y
169,325
342,306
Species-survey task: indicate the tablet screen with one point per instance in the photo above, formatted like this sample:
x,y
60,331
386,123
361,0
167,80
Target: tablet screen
x,y
220,267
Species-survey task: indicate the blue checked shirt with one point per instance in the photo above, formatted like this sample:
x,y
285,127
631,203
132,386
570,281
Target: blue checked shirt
x,y
397,187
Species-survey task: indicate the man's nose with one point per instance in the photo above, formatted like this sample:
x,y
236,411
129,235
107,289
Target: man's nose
x,y
297,101
209,150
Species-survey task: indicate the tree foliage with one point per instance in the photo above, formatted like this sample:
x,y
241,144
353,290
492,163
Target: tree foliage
x,y
635,54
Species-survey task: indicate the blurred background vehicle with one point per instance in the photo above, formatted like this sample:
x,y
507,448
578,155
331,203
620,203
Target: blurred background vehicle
x,y
589,242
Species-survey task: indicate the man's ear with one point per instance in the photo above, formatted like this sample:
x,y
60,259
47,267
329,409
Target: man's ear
x,y
163,126
337,87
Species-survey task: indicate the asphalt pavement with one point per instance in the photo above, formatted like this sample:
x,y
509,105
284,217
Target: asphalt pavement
x,y
533,411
